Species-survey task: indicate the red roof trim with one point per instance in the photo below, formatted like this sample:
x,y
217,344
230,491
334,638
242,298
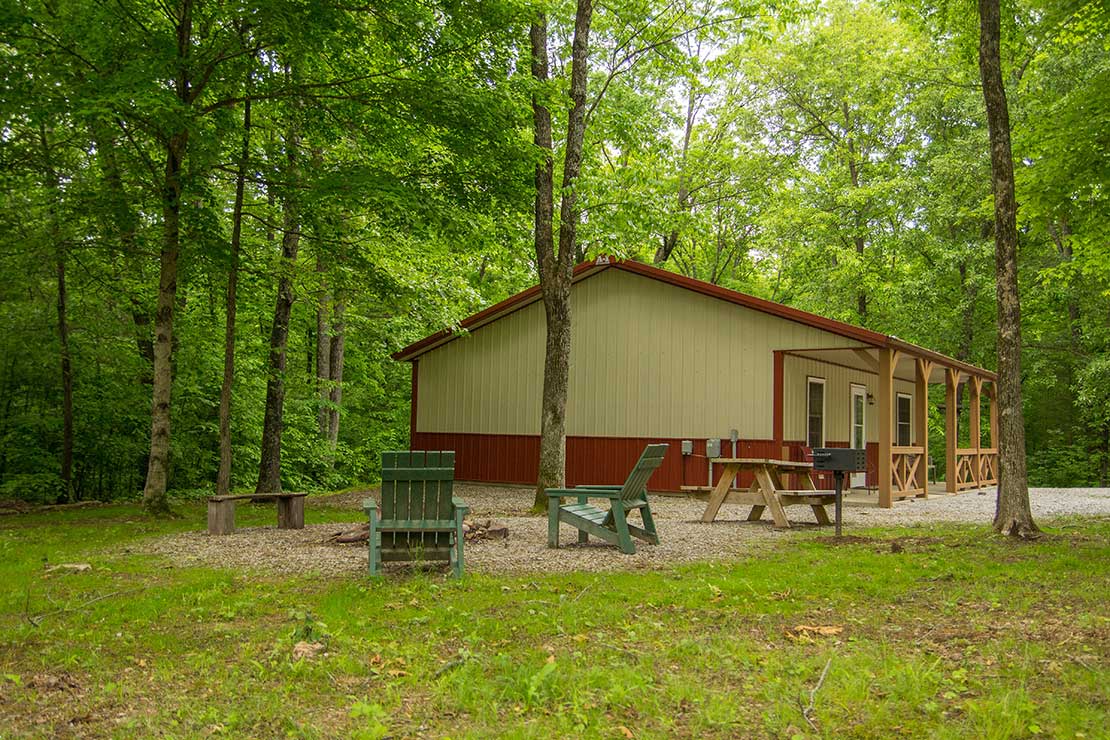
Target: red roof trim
x,y
585,269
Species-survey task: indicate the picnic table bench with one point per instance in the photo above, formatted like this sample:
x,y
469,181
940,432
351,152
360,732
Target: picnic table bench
x,y
767,490
221,510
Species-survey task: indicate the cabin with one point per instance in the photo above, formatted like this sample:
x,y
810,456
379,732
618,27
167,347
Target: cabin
x,y
659,357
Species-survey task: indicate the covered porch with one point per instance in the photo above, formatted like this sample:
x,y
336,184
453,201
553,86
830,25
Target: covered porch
x,y
901,460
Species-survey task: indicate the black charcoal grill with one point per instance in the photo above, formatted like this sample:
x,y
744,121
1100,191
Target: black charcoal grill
x,y
839,460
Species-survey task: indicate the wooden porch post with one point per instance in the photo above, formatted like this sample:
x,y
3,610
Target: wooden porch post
x,y
992,394
888,358
975,397
951,380
921,419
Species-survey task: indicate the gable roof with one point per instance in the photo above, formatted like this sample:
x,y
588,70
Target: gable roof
x,y
602,263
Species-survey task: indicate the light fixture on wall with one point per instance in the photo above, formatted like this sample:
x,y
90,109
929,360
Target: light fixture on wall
x,y
870,399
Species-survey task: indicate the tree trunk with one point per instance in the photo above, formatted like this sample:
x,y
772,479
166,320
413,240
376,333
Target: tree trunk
x,y
323,349
1012,513
556,270
51,182
670,241
158,466
860,237
336,346
223,476
552,463
269,466
67,382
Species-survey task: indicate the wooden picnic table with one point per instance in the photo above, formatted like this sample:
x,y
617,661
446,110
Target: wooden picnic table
x,y
767,490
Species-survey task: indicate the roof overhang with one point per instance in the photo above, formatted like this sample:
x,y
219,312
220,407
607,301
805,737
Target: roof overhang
x,y
491,314
866,359
853,357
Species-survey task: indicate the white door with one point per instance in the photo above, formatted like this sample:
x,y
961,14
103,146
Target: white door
x,y
858,432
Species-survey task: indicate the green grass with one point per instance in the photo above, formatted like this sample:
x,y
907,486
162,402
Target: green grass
x,y
962,634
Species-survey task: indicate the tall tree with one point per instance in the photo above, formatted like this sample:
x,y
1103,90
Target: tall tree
x,y
51,186
1012,512
269,464
556,267
223,475
176,145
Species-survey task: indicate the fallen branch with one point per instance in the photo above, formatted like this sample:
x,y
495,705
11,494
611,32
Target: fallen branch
x,y
472,531
15,506
450,666
37,620
807,711
358,534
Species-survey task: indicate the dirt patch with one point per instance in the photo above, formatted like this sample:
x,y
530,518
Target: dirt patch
x,y
846,539
49,682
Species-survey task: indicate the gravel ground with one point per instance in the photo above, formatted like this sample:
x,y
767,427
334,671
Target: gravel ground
x,y
683,538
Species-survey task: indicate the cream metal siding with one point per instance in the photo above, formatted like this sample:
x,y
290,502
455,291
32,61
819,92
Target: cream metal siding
x,y
838,399
648,359
487,382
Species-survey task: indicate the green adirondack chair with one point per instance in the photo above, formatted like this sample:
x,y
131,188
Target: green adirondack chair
x,y
609,524
420,518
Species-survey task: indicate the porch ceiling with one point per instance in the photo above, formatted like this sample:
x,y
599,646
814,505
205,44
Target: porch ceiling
x,y
866,359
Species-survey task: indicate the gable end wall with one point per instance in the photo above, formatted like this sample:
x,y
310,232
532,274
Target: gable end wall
x,y
649,360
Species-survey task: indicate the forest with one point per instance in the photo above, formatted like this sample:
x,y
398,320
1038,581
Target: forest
x,y
220,219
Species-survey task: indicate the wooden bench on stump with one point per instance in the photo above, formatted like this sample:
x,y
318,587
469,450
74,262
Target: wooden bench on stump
x,y
221,510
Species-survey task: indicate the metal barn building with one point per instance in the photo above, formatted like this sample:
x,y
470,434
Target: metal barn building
x,y
658,357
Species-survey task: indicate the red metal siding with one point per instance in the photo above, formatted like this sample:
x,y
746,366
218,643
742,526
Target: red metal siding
x,y
508,458
490,458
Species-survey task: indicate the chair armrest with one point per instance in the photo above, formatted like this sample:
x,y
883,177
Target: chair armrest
x,y
585,491
603,488
459,505
369,505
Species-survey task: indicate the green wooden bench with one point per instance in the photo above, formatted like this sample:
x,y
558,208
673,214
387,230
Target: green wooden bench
x,y
609,524
420,518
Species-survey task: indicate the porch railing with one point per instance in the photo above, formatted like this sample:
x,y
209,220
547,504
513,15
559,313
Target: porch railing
x,y
905,462
976,468
988,466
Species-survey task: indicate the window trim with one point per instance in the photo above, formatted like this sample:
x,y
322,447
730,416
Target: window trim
x,y
853,387
812,380
897,418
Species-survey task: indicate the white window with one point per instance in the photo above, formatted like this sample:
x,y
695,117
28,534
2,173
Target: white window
x,y
815,412
858,432
904,420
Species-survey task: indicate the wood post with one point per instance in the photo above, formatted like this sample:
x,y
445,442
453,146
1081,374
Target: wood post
x,y
922,368
951,381
975,434
221,517
992,394
888,359
291,512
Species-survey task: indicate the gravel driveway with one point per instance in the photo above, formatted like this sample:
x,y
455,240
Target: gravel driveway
x,y
683,538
